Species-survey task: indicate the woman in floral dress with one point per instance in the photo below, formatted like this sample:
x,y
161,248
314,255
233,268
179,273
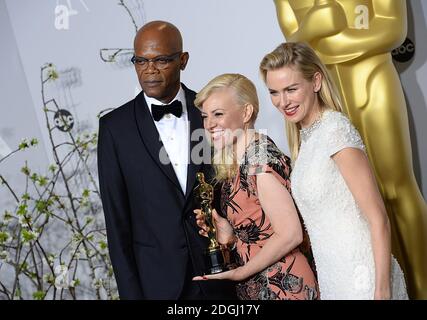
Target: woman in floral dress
x,y
260,218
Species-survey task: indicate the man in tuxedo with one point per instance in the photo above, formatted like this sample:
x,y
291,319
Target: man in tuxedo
x,y
147,178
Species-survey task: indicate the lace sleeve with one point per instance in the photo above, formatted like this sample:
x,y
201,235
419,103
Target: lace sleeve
x,y
265,157
342,134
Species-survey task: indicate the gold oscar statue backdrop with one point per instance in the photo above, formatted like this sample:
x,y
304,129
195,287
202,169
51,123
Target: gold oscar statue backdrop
x,y
354,38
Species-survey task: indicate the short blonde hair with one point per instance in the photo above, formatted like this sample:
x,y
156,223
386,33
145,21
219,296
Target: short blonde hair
x,y
303,58
244,92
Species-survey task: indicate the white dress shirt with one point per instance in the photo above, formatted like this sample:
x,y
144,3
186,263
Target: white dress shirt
x,y
174,133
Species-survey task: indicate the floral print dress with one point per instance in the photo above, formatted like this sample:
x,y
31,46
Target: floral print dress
x,y
291,278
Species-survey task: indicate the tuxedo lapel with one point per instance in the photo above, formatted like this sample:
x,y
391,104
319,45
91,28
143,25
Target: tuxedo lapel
x,y
195,120
151,138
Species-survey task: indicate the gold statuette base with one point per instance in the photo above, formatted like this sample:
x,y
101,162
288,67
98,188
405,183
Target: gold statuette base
x,y
215,262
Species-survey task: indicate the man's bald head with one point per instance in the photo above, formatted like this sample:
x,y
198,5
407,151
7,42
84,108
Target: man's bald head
x,y
159,44
161,31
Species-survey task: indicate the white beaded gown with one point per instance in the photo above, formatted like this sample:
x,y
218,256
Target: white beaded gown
x,y
338,230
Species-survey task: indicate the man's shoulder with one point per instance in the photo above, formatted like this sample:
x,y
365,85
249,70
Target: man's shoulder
x,y
118,114
191,94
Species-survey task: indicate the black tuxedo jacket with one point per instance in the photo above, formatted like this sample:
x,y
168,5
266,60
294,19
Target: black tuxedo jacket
x,y
151,229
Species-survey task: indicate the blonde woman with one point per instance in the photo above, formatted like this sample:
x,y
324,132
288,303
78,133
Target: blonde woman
x,y
261,218
332,181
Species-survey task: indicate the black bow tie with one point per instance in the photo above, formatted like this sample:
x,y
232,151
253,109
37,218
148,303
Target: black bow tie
x,y
159,111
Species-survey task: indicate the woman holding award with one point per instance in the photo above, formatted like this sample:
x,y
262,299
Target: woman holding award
x,y
261,221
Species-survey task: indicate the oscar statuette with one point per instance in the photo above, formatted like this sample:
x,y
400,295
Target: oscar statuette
x,y
214,255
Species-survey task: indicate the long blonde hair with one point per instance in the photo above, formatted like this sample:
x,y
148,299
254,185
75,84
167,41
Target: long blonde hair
x,y
224,161
302,57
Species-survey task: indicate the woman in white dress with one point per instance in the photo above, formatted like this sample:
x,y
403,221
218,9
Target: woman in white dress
x,y
332,181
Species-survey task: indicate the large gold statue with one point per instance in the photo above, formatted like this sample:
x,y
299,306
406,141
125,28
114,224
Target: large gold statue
x,y
354,38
